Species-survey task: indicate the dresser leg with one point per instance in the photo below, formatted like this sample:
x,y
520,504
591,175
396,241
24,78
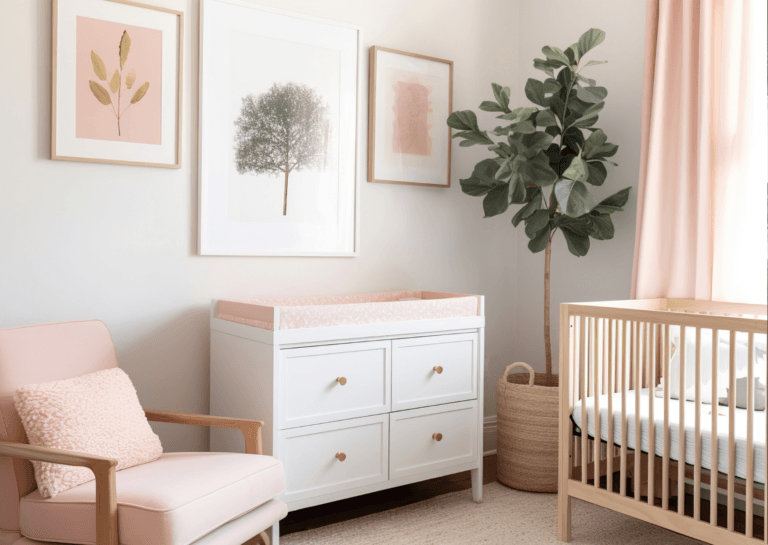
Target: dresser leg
x,y
477,484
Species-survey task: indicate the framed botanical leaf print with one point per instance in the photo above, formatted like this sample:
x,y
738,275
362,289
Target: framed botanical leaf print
x,y
116,83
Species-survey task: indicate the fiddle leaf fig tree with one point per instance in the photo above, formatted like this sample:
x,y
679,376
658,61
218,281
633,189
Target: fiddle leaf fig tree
x,y
546,157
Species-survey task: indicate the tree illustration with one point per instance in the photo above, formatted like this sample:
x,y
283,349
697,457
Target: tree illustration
x,y
115,83
283,130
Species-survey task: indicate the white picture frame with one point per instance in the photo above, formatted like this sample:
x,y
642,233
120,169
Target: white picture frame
x,y
82,124
246,204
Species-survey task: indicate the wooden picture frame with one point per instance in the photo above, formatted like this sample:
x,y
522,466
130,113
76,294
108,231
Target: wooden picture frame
x,y
66,145
397,166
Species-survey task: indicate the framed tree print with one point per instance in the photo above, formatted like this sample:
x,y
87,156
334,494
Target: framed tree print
x,y
278,132
116,83
409,99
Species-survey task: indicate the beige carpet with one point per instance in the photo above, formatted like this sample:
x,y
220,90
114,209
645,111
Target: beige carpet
x,y
505,517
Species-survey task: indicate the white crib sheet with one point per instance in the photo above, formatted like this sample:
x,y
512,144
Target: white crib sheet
x,y
759,431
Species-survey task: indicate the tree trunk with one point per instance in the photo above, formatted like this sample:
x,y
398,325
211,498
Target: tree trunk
x,y
285,193
547,339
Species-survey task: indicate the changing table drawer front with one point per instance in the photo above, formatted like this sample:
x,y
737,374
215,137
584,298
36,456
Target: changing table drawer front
x,y
326,383
432,438
333,457
434,370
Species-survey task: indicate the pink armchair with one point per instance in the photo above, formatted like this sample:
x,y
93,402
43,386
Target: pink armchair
x,y
179,499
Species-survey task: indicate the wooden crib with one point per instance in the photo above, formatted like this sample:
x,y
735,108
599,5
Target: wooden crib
x,y
614,358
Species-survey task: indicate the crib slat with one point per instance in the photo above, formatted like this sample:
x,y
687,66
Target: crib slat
x,y
596,344
713,494
681,426
731,434
610,363
667,435
697,436
582,385
652,344
624,380
750,446
636,354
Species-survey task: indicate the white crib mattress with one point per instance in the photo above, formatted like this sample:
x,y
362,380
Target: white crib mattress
x,y
759,431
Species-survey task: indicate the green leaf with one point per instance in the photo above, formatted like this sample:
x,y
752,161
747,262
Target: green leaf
x,y
504,170
602,227
534,203
551,86
517,188
593,143
556,54
581,226
524,127
573,54
539,244
591,94
536,142
614,203
496,201
502,95
519,114
502,131
586,80
534,90
592,63
605,150
589,117
590,39
490,106
464,120
482,179
577,170
545,118
101,94
597,173
573,139
574,197
547,65
536,222
98,66
538,171
578,245
472,138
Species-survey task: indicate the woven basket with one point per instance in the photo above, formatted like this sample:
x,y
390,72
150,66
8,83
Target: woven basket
x,y
527,411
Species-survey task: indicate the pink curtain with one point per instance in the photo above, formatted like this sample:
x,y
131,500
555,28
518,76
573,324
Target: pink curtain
x,y
701,215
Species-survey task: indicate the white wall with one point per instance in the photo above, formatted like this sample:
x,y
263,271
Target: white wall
x,y
605,273
81,241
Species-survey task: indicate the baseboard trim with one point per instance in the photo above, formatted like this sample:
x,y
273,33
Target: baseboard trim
x,y
489,435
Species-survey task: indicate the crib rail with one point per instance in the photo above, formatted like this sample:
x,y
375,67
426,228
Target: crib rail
x,y
615,352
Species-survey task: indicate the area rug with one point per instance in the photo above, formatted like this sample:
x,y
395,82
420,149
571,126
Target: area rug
x,y
505,517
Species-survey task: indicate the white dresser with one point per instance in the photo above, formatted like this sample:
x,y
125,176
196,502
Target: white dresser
x,y
353,409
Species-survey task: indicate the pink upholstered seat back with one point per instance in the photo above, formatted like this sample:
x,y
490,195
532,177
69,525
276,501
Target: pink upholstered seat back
x,y
29,355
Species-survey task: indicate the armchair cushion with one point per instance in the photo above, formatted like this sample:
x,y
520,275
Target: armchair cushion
x,y
174,500
98,413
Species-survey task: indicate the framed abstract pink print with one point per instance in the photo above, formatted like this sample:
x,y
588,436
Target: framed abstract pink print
x,y
116,83
409,100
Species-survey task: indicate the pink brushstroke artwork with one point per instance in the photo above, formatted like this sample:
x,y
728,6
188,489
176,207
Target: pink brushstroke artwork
x,y
411,125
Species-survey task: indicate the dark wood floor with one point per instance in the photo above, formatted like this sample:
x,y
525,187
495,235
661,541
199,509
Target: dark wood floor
x,y
338,511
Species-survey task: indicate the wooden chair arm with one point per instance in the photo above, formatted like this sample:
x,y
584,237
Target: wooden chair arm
x,y
251,429
103,469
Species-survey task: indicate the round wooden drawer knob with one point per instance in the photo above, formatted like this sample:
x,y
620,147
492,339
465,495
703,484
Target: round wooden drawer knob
x,y
437,436
341,456
438,369
341,380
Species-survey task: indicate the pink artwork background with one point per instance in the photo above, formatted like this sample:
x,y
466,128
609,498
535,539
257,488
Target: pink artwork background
x,y
411,125
142,122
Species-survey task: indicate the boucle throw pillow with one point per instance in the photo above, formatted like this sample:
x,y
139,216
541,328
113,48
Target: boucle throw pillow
x,y
96,414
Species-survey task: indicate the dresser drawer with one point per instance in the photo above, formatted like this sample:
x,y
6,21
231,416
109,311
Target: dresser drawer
x,y
325,383
333,457
433,370
432,438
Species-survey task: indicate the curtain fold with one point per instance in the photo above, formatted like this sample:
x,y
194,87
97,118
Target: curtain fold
x,y
702,202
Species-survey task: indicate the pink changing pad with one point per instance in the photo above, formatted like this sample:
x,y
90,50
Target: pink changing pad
x,y
335,310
